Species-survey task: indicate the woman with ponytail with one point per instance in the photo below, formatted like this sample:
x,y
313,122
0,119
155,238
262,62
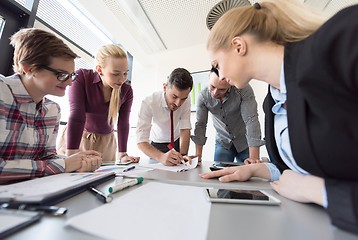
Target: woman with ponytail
x,y
99,100
311,109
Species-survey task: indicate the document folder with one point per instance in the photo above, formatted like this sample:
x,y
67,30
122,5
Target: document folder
x,y
51,189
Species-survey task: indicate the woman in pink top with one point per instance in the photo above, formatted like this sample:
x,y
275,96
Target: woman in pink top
x,y
98,99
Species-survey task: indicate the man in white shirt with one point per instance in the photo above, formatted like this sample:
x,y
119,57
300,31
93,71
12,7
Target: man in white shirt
x,y
154,136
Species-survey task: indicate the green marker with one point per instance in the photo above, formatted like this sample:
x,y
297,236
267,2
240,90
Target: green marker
x,y
126,184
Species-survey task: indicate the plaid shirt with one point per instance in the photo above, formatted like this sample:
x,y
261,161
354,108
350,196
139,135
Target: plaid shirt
x,y
28,134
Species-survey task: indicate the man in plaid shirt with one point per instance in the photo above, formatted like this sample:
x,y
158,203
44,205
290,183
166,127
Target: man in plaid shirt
x,y
29,122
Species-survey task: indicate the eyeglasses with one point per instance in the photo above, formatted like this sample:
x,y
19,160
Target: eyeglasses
x,y
62,76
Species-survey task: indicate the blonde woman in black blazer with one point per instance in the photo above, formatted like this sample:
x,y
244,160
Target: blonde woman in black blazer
x,y
311,122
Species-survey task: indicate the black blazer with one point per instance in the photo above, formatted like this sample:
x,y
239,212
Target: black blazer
x,y
321,75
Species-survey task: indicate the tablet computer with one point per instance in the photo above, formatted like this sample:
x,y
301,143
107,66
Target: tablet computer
x,y
240,196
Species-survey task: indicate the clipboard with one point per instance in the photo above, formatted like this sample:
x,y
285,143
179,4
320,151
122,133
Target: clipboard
x,y
12,220
51,189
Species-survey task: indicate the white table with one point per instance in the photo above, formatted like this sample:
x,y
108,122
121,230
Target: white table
x,y
290,220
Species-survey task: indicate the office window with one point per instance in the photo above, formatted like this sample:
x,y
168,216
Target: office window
x,y
2,24
71,25
83,63
26,3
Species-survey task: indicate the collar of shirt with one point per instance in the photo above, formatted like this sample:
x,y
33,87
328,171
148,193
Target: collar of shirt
x,y
96,78
163,102
227,95
18,89
279,95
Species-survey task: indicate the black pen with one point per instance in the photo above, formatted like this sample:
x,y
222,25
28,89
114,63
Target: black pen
x,y
101,196
128,169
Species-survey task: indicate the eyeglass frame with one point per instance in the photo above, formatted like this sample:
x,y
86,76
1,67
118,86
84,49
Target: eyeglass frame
x,y
58,74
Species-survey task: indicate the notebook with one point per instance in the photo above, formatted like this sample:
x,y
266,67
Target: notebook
x,y
51,189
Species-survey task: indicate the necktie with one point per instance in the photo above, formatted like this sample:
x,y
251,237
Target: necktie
x,y
171,129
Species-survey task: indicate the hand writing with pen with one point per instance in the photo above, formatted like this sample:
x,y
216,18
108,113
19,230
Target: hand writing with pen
x,y
172,157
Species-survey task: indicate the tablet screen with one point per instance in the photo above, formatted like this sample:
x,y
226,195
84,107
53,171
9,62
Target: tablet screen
x,y
237,194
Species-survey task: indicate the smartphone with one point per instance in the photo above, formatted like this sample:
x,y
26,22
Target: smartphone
x,y
220,165
240,196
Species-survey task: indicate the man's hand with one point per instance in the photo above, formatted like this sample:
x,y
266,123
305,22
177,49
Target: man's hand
x,y
171,158
252,161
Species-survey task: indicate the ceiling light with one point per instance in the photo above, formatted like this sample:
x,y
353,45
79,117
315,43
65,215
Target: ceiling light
x,y
134,11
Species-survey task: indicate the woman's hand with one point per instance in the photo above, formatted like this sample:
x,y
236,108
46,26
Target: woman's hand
x,y
86,161
240,173
228,174
130,159
299,187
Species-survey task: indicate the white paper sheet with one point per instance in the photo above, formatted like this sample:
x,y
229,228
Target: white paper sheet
x,y
177,168
153,211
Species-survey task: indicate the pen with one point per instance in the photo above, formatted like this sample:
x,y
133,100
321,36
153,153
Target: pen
x,y
129,183
171,147
100,195
128,169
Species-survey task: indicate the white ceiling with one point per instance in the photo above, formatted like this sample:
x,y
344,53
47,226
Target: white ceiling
x,y
179,23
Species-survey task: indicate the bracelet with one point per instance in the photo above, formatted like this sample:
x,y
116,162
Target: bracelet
x,y
124,155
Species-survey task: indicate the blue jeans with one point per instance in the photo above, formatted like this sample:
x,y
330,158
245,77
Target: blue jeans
x,y
224,155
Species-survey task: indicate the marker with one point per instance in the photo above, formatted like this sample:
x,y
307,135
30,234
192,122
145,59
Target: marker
x,y
101,196
171,147
128,169
129,183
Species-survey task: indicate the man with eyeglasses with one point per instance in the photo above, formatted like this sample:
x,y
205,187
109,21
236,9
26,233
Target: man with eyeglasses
x,y
62,76
29,122
235,118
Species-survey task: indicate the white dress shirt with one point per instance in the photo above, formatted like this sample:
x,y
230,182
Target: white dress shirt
x,y
154,119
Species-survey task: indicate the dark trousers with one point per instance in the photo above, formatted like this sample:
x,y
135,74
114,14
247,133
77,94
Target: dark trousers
x,y
163,147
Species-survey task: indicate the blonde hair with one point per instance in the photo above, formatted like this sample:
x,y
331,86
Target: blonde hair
x,y
279,21
111,51
35,47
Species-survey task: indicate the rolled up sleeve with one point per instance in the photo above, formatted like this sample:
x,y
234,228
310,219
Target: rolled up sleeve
x,y
250,116
199,137
144,123
184,122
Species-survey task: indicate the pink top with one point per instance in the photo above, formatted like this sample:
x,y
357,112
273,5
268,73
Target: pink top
x,y
89,111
